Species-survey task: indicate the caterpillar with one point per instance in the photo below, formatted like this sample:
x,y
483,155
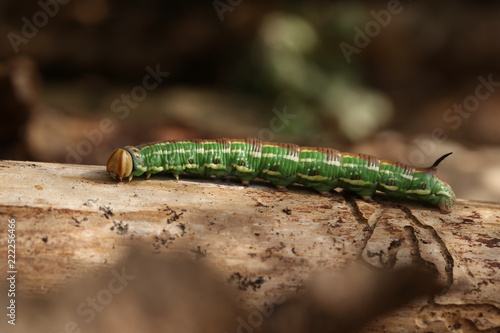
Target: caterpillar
x,y
283,164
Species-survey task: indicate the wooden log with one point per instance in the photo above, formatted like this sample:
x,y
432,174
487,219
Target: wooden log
x,y
73,219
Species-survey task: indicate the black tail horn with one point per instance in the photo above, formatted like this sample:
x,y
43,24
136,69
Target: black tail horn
x,y
439,160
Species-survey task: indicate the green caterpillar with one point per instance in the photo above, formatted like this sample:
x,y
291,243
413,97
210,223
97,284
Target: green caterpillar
x,y
282,164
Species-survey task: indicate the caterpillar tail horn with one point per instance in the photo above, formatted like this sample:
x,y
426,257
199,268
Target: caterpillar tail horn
x,y
433,168
120,164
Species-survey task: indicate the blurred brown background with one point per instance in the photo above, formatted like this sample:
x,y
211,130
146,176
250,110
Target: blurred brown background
x,y
406,80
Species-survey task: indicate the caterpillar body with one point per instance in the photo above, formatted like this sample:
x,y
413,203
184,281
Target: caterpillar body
x,y
283,164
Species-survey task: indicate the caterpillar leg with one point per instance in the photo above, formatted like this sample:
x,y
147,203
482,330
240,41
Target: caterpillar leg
x,y
281,188
148,174
325,193
367,198
245,182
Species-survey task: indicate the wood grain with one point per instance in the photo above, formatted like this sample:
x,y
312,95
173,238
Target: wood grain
x,y
72,220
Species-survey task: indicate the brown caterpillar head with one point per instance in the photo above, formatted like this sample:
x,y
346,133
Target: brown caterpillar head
x,y
120,164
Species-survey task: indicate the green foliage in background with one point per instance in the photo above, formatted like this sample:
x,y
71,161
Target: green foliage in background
x,y
296,58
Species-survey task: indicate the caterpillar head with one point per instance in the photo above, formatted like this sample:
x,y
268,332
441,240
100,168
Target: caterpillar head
x,y
445,196
125,163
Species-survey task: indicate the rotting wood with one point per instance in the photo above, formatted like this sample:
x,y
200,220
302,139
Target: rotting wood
x,y
73,219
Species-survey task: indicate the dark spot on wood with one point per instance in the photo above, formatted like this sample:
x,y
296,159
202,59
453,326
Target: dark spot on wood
x,y
271,250
199,253
395,244
244,283
120,227
371,254
474,215
107,211
77,221
172,214
489,242
424,241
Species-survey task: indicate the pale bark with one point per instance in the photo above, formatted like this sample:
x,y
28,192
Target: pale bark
x,y
73,219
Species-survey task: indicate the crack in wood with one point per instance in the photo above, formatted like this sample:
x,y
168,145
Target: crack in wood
x,y
392,250
415,252
361,219
403,240
448,258
354,208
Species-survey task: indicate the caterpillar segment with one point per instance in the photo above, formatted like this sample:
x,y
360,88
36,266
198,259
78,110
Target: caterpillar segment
x,y
282,164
